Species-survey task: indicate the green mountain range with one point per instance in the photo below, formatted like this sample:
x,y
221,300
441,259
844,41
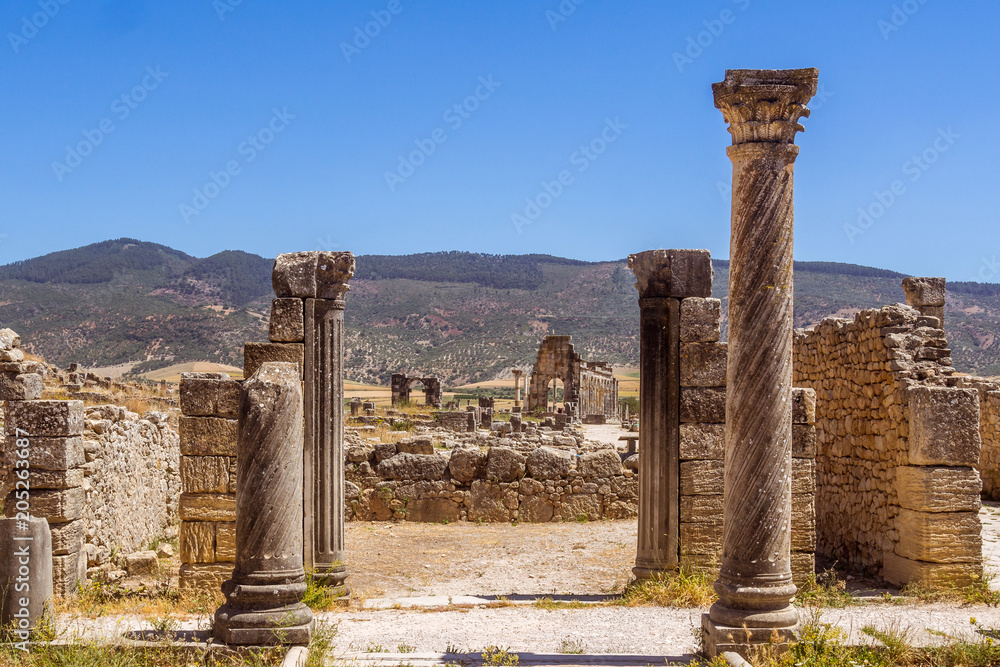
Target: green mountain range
x,y
462,316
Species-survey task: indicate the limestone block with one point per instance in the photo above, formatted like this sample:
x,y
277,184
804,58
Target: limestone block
x,y
49,453
205,474
384,450
43,418
294,275
898,570
287,323
535,509
56,506
701,538
56,479
486,502
938,489
197,541
257,354
65,574
703,364
803,565
703,441
549,463
702,478
208,436
228,400
803,523
924,291
199,394
141,564
803,476
433,510
700,320
703,405
578,505
9,339
939,537
673,273
700,562
413,466
944,426
67,537
195,579
466,464
701,509
504,464
803,406
11,356
803,441
208,507
23,387
225,541
600,464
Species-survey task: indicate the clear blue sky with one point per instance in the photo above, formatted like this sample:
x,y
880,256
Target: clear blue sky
x,y
184,85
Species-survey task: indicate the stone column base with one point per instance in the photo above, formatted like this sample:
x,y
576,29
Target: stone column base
x,y
333,580
644,573
717,639
292,624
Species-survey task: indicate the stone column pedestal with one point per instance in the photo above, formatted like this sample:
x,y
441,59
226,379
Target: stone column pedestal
x,y
663,278
755,586
25,576
264,597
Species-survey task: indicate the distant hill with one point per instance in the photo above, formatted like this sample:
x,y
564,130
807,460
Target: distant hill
x,y
466,317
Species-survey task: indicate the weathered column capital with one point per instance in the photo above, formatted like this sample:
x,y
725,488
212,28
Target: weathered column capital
x,y
765,105
313,275
672,273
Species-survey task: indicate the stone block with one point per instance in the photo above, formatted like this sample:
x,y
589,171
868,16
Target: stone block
x,y
9,339
486,502
66,574
901,571
58,506
803,405
703,539
208,507
703,364
67,537
703,405
225,541
142,564
924,291
49,453
228,400
29,588
208,436
700,320
23,387
466,464
200,578
803,441
205,474
701,509
287,323
702,478
433,510
549,463
412,467
257,354
578,505
944,426
56,479
198,541
199,394
803,523
803,565
939,537
703,441
673,273
600,464
535,509
43,418
417,445
294,275
938,489
803,476
11,356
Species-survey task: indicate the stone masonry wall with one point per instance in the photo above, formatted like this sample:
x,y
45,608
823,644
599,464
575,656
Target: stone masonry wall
x,y
132,480
208,433
897,443
703,446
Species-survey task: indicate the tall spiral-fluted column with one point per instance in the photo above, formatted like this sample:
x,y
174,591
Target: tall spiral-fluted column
x,y
755,586
264,597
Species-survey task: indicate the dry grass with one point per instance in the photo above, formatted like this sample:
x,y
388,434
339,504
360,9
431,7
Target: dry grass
x,y
683,589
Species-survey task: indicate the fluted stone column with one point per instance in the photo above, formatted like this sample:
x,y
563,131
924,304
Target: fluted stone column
x,y
517,387
264,597
755,586
663,278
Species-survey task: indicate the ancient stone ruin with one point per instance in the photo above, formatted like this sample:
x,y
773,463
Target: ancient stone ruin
x,y
401,385
590,388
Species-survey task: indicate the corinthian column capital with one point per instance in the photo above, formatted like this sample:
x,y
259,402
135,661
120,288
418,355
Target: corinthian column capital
x,y
765,105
